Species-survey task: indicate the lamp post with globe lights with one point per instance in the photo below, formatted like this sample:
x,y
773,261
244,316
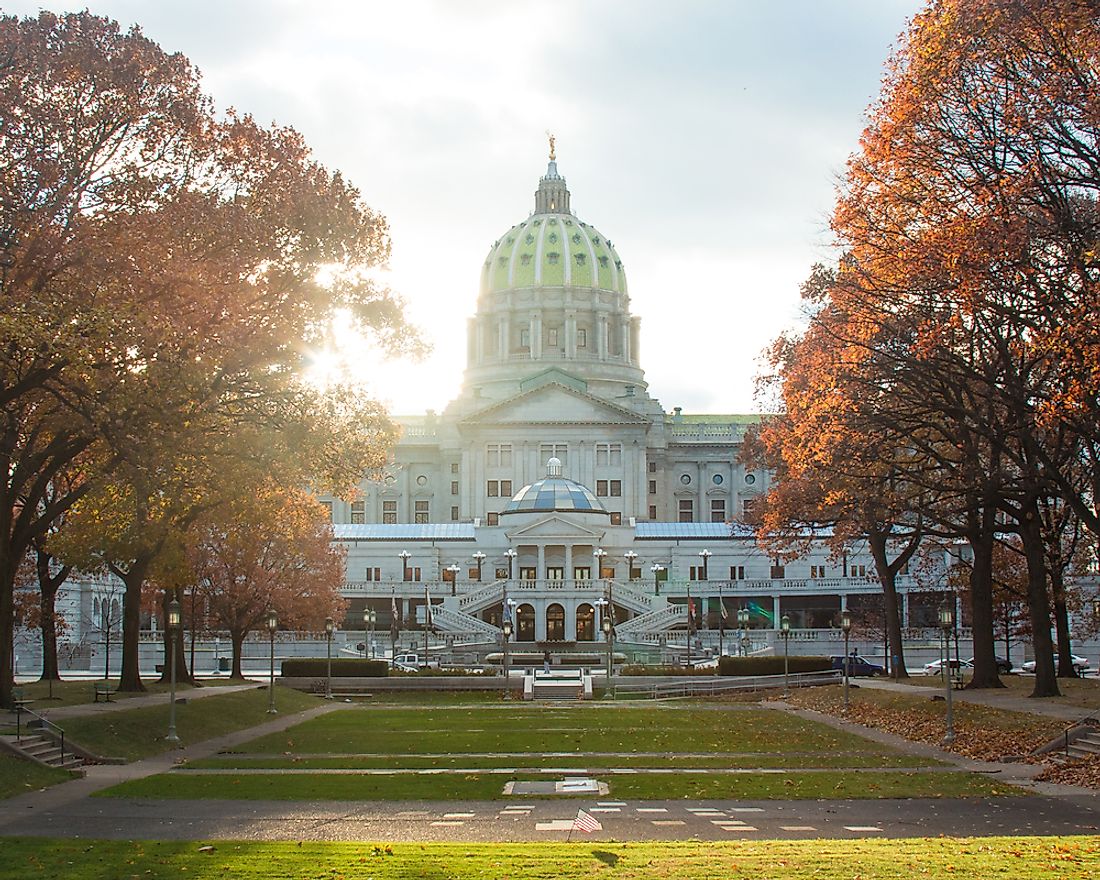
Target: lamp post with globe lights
x,y
404,557
173,634
846,626
609,636
454,570
742,626
947,620
272,625
785,630
505,635
629,556
511,554
369,617
329,627
704,555
479,558
657,568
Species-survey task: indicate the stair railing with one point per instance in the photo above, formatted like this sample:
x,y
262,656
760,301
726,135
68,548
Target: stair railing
x,y
43,722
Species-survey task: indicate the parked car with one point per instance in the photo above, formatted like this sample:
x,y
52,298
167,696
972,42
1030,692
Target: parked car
x,y
1080,664
936,666
857,665
1004,667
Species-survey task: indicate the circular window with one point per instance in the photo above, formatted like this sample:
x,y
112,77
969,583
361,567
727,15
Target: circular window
x,y
685,479
717,479
750,478
421,480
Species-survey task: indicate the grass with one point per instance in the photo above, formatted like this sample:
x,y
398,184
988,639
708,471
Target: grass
x,y
18,776
577,729
139,732
1032,858
1083,693
81,691
488,787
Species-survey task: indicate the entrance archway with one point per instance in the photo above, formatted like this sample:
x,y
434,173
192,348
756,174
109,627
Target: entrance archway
x,y
586,623
555,623
525,623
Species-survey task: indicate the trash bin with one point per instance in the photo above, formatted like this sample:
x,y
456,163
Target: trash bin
x,y
223,664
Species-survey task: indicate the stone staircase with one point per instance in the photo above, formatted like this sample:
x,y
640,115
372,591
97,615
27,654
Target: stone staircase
x,y
661,620
42,748
558,684
1080,740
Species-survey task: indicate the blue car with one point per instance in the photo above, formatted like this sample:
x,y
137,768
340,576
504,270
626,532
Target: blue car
x,y
857,666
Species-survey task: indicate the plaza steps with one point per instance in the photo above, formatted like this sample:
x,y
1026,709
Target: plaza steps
x,y
1080,740
448,621
483,597
565,684
661,620
43,749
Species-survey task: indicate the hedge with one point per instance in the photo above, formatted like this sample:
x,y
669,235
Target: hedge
x,y
771,665
342,667
639,669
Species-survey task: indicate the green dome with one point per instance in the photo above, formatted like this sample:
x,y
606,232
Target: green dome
x,y
552,248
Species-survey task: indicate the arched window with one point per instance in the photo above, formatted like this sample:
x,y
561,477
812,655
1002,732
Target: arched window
x,y
586,623
555,623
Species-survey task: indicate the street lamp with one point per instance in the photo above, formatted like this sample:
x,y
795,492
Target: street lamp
x,y
479,558
946,622
404,556
454,570
368,630
1096,620
629,556
598,554
173,633
329,627
608,634
785,629
846,625
742,625
511,554
272,625
506,634
657,568
704,555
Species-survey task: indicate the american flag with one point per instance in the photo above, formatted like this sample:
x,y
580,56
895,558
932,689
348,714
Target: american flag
x,y
428,608
393,613
586,822
725,613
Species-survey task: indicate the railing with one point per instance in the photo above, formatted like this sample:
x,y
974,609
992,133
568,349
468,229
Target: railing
x,y
463,623
43,722
488,593
697,686
626,594
661,619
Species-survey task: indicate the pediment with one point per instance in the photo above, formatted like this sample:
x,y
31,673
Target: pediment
x,y
554,526
555,403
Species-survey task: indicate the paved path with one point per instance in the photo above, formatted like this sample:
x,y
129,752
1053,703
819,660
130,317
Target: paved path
x,y
57,713
1052,707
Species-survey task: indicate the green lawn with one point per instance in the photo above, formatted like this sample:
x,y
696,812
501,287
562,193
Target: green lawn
x,y
138,733
744,734
75,693
18,776
1032,858
486,786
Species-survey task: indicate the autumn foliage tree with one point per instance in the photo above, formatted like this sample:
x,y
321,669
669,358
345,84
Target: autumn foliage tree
x,y
162,284
267,550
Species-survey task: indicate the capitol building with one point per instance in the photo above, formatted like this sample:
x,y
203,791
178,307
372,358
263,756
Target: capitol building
x,y
555,492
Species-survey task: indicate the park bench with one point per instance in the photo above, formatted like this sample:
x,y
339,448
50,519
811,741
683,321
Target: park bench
x,y
103,689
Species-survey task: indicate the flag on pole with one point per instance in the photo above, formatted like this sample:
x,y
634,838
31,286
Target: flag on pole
x,y
725,613
427,608
393,613
691,611
586,822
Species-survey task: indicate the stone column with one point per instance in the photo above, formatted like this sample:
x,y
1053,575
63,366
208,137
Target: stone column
x,y
505,336
536,335
569,564
571,335
601,336
776,612
540,573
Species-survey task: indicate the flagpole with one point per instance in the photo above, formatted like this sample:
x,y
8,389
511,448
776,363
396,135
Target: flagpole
x,y
721,620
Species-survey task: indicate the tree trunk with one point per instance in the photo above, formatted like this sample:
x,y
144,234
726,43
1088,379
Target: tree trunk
x,y
1031,535
887,575
48,586
981,538
1061,625
237,637
130,677
7,628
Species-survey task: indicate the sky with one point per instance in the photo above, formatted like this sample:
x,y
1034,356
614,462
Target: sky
x,y
705,138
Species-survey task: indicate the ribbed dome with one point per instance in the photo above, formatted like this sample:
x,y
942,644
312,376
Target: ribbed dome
x,y
554,492
552,248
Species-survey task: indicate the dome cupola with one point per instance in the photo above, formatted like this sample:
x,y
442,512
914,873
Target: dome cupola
x,y
554,493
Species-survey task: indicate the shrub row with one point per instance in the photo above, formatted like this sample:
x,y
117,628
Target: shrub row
x,y
771,665
342,667
639,669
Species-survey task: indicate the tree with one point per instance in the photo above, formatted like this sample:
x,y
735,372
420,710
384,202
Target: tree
x,y
162,283
269,550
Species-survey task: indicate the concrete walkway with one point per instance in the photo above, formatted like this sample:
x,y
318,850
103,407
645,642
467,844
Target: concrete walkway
x,y
56,713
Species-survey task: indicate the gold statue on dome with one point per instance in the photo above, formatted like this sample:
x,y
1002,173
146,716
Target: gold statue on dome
x,y
551,138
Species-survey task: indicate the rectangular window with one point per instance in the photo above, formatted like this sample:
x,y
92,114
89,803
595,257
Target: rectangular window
x,y
616,518
498,455
748,509
609,454
454,487
687,510
454,513
616,488
502,574
653,511
635,574
422,511
492,519
737,572
373,574
389,512
358,512
717,510
559,451
454,467
859,571
505,488
492,488
653,467
817,571
524,338
652,487
552,336
695,573
778,572
582,337
327,505
601,488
